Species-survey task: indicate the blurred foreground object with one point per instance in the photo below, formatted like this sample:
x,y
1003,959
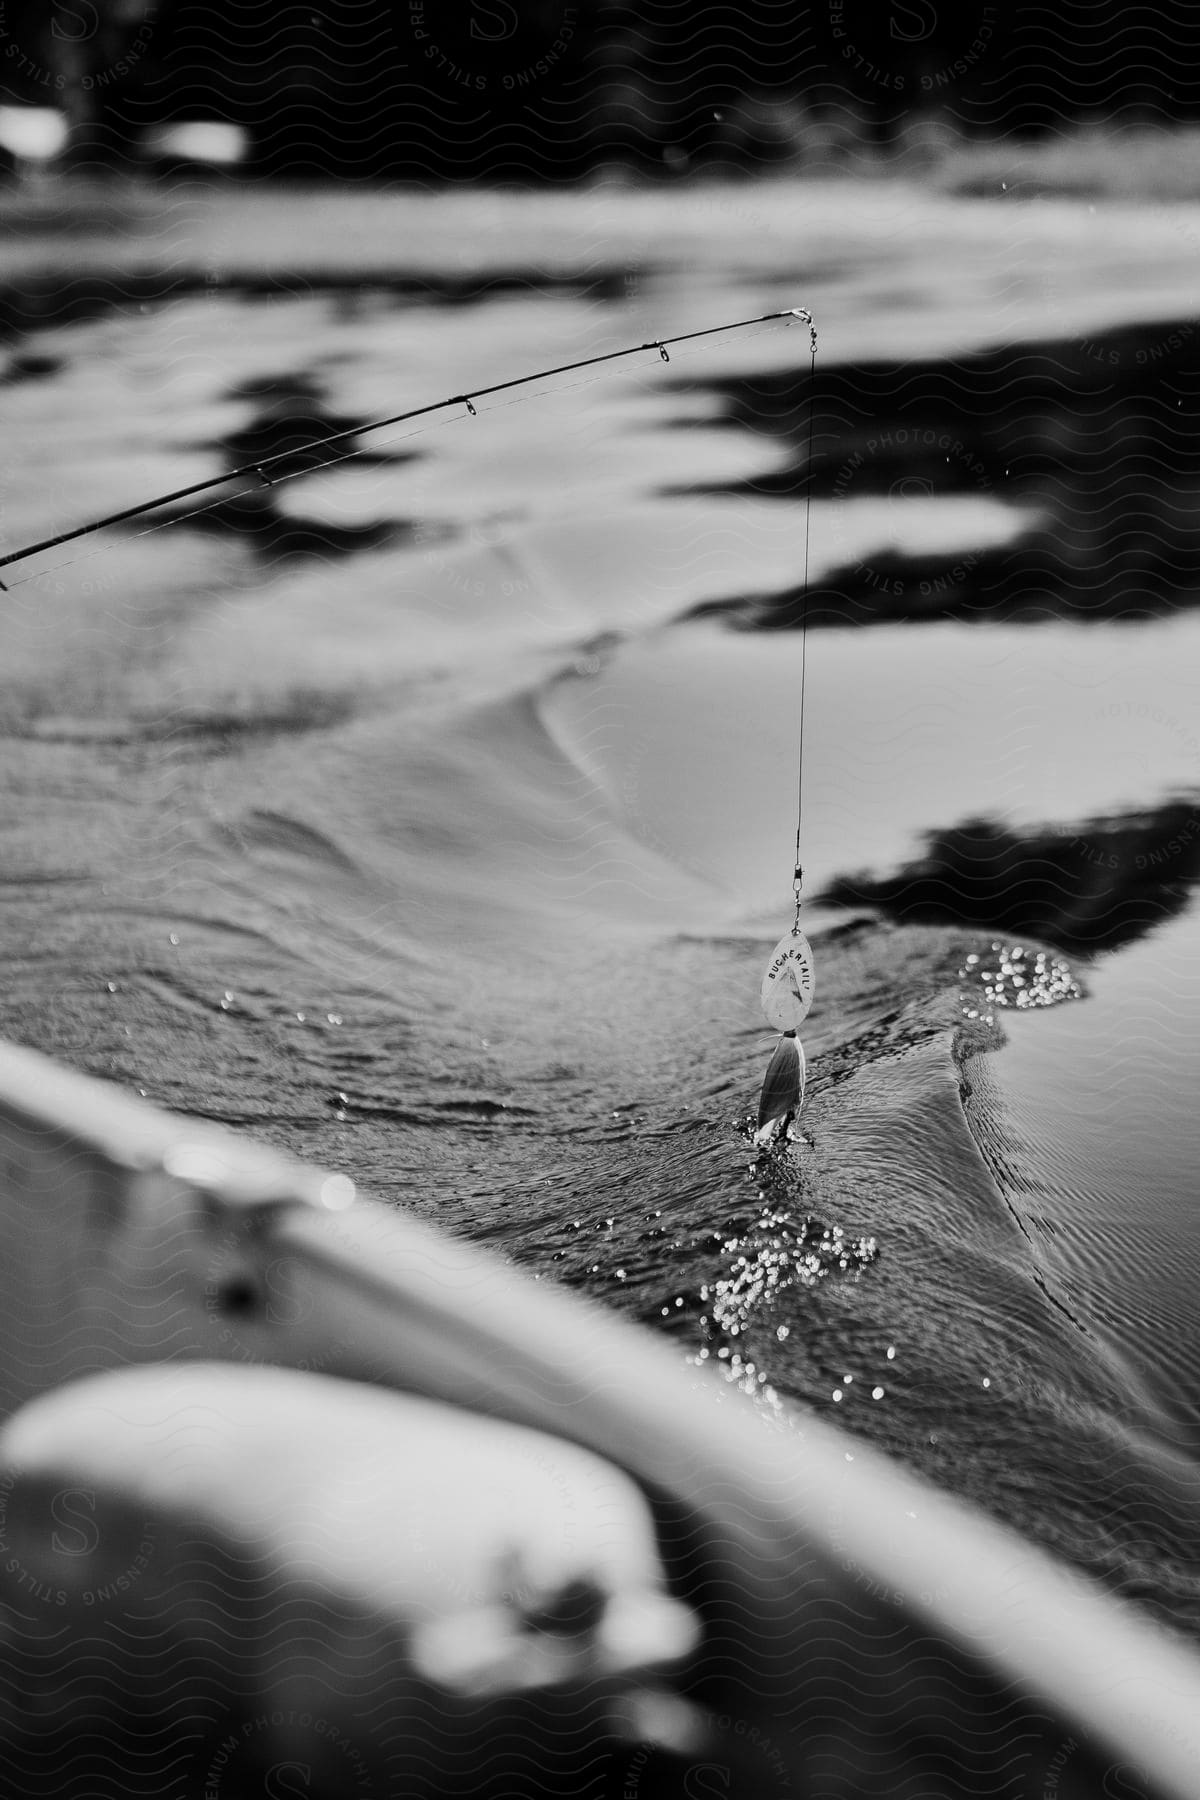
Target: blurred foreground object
x,y
376,1589
857,1632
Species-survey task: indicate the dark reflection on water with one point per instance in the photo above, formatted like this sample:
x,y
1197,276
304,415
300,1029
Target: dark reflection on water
x,y
291,432
29,367
1095,440
292,422
37,300
275,535
1094,886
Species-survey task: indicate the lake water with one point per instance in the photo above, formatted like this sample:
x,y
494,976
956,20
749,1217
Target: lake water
x,y
432,816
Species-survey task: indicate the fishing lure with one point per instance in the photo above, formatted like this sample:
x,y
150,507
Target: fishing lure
x,y
787,995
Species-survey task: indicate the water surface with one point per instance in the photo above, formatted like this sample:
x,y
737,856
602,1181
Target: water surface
x,y
431,817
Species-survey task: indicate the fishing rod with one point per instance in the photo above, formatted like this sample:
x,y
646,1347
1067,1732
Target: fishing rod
x,y
787,986
262,465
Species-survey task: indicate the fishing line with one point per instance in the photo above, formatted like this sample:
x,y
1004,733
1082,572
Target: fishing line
x,y
259,467
787,986
798,876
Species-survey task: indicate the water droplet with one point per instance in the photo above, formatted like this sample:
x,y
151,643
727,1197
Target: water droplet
x,y
837,1393
891,1352
877,1393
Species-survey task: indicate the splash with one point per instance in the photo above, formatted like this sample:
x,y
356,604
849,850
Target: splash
x,y
783,1249
1011,975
